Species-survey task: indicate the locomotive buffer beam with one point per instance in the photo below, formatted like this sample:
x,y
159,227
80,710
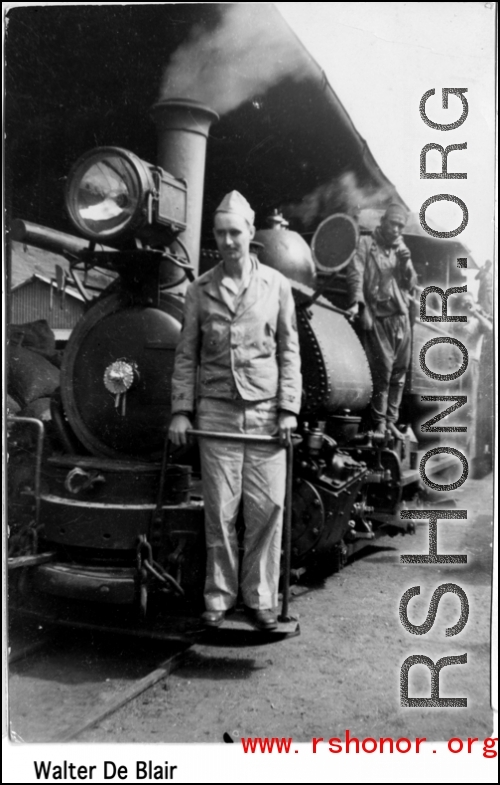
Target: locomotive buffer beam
x,y
34,560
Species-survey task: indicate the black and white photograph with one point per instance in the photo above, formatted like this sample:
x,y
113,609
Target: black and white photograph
x,y
250,331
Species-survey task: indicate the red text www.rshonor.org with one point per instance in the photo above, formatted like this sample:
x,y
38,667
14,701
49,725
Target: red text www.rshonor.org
x,y
368,745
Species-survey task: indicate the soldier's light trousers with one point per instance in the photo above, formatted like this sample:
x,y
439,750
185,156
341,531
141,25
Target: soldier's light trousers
x,y
255,474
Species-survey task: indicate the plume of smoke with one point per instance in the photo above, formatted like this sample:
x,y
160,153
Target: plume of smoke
x,y
243,57
343,194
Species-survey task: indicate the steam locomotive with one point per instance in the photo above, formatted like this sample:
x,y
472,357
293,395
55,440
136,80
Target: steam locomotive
x,y
118,514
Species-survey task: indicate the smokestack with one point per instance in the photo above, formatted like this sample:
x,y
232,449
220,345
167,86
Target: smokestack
x,y
183,127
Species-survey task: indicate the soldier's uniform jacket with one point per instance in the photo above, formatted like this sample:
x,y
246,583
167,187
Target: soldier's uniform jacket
x,y
378,278
242,348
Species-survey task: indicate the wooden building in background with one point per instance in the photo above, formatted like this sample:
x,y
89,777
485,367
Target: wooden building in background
x,y
41,287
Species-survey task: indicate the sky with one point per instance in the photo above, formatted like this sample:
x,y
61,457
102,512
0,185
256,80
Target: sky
x,y
380,58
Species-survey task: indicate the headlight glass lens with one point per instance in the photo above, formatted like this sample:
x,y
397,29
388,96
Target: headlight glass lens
x,y
104,194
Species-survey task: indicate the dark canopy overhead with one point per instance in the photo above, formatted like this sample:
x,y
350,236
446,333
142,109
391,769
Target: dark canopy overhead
x,y
82,76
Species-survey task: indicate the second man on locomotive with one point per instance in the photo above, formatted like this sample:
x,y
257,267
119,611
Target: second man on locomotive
x,y
379,280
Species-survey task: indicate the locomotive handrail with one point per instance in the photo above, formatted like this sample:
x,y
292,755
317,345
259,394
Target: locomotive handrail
x,y
318,293
48,239
313,300
242,437
38,459
287,529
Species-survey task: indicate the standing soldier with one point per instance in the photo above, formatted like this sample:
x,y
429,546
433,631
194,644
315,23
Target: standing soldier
x,y
380,278
238,362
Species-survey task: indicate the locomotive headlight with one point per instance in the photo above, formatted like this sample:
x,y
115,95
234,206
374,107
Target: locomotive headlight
x,y
112,194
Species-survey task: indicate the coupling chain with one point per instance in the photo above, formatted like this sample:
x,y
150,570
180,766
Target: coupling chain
x,y
146,565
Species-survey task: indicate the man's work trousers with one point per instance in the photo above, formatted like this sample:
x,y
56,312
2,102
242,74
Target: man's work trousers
x,y
255,473
388,348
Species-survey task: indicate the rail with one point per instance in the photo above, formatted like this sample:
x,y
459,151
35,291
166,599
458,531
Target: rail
x,y
80,710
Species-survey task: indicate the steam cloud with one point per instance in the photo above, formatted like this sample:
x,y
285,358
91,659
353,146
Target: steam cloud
x,y
343,194
239,60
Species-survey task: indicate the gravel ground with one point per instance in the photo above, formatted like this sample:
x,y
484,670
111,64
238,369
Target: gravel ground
x,y
343,670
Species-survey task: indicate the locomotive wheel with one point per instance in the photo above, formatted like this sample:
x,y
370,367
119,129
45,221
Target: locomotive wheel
x,y
308,520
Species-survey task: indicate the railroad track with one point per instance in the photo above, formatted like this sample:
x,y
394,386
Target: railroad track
x,y
63,680
61,684
121,698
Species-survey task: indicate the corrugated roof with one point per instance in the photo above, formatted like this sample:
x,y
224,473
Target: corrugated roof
x,y
27,261
50,282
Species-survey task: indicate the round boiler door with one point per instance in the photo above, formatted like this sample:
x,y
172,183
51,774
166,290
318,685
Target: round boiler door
x,y
334,243
116,378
